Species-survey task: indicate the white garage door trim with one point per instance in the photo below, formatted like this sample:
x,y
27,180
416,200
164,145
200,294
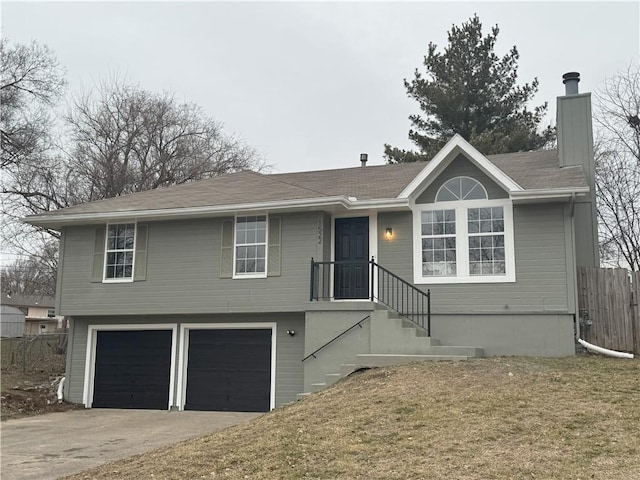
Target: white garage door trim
x,y
90,358
183,355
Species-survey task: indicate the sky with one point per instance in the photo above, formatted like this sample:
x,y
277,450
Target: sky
x,y
311,85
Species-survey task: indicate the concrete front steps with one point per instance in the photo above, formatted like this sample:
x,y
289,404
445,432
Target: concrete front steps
x,y
396,341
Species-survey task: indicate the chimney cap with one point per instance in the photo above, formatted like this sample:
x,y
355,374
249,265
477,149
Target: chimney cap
x,y
570,76
570,80
363,159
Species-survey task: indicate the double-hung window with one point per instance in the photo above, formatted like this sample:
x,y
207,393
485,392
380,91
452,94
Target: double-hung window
x,y
485,227
463,237
438,242
119,252
250,246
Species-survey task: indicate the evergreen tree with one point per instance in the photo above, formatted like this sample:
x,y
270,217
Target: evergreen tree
x,y
470,91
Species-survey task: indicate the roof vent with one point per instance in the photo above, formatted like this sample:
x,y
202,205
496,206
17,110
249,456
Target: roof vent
x,y
570,81
363,159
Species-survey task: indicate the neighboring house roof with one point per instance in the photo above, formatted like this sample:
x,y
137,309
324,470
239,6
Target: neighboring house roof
x,y
16,300
357,187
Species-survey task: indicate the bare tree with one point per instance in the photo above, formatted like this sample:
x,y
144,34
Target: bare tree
x,y
618,168
125,139
31,81
122,139
34,274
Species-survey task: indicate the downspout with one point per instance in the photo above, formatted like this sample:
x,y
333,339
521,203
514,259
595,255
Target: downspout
x,y
573,204
60,390
576,315
604,351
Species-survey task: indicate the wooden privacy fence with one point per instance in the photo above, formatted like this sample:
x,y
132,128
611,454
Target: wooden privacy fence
x,y
609,311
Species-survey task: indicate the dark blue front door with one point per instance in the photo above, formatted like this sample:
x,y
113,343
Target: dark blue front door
x,y
351,278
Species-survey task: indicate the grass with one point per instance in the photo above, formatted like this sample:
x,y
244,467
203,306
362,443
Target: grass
x,y
495,418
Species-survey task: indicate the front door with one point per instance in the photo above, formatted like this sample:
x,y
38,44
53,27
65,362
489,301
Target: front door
x,y
351,278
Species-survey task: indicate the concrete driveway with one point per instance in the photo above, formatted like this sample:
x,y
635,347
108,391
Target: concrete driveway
x,y
58,444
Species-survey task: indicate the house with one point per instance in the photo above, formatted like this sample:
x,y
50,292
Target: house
x,y
243,292
39,313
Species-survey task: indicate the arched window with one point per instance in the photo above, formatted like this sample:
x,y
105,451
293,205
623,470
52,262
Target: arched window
x,y
461,188
464,237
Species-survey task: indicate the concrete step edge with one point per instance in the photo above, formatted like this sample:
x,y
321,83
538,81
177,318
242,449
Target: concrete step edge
x,y
332,378
404,355
378,360
316,387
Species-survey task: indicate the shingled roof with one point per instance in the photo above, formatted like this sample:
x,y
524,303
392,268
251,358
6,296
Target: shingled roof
x,y
530,170
18,300
368,183
539,170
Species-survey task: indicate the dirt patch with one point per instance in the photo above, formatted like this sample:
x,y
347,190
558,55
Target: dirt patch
x,y
30,393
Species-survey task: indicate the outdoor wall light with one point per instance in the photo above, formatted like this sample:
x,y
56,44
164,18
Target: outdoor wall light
x,y
388,232
291,332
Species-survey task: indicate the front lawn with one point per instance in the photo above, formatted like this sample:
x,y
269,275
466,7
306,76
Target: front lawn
x,y
494,418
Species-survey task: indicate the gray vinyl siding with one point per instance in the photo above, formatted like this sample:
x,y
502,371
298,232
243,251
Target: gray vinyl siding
x,y
59,277
461,167
76,358
183,272
540,257
289,349
326,238
71,355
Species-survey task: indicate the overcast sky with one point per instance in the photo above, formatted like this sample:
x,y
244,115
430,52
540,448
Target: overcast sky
x,y
312,85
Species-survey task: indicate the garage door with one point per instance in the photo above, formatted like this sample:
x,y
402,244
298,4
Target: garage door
x,y
132,369
229,370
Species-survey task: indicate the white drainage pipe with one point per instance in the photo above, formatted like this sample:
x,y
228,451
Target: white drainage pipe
x,y
604,351
60,387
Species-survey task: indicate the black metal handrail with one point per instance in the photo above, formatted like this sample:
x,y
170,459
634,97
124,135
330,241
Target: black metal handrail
x,y
383,285
403,297
357,324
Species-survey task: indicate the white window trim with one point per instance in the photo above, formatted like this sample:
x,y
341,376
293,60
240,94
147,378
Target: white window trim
x,y
486,196
90,357
133,264
462,242
239,276
183,357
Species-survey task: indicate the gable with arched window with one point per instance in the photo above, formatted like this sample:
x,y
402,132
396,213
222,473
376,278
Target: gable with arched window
x,y
463,236
461,188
